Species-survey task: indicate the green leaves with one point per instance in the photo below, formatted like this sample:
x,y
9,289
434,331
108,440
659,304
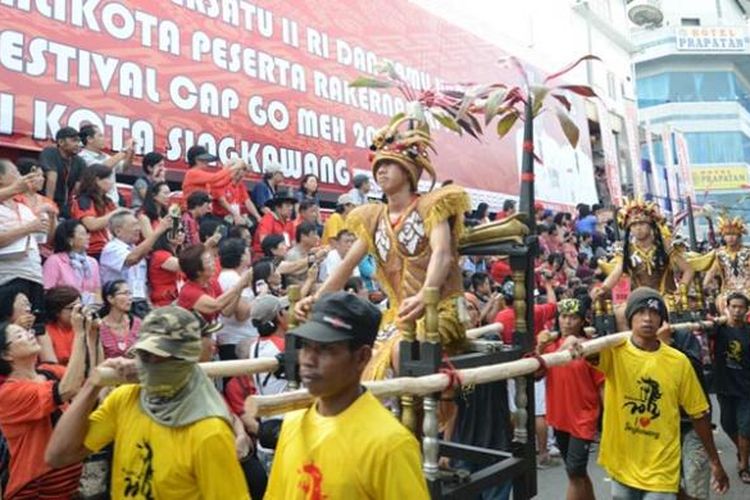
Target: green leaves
x,y
506,123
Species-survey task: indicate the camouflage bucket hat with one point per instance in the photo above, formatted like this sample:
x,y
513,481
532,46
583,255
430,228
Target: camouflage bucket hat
x,y
170,332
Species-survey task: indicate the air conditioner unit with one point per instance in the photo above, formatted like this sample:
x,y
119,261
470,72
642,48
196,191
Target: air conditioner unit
x,y
645,13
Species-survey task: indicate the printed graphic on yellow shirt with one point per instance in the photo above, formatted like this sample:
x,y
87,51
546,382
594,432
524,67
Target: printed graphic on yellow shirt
x,y
311,482
644,407
734,354
138,482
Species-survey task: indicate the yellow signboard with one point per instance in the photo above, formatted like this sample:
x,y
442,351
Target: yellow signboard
x,y
720,178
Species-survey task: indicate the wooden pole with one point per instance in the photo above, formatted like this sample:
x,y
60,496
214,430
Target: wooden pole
x,y
237,367
264,406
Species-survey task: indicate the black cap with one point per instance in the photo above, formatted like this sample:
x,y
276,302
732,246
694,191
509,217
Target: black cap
x,y
280,197
340,317
199,153
66,133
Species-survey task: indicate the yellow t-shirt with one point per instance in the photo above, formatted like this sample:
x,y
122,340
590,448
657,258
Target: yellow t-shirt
x,y
643,393
196,461
333,226
363,452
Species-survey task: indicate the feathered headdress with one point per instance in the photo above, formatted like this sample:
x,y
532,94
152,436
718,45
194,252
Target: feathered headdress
x,y
405,146
638,210
734,225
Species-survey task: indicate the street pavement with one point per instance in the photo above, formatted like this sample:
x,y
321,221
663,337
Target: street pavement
x,y
552,482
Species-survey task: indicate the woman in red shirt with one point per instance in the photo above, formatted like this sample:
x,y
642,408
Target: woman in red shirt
x,y
93,207
202,293
58,304
33,397
164,269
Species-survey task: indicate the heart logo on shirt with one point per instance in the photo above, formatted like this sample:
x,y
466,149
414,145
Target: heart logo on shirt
x,y
644,421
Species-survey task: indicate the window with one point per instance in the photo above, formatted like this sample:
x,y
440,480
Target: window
x,y
705,86
690,21
718,147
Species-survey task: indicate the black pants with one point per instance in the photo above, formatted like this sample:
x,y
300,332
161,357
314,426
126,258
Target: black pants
x,y
255,475
33,291
575,453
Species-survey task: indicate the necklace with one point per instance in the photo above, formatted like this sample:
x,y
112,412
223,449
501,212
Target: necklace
x,y
404,212
645,256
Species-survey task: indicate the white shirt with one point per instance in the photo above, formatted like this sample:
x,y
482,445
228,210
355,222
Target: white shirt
x,y
234,331
91,157
331,262
112,267
267,383
21,258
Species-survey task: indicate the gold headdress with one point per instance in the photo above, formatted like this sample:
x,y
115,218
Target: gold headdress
x,y
731,226
407,147
638,210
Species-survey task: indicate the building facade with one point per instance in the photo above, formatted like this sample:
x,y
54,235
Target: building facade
x,y
692,66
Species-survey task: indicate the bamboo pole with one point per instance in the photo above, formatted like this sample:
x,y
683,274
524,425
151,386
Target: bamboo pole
x,y
238,367
419,386
233,368
264,406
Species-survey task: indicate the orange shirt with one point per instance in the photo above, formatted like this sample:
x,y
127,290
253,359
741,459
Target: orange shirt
x,y
62,341
25,419
206,180
233,193
97,239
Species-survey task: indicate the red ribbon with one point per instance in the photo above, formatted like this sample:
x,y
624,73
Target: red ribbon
x,y
454,377
527,176
528,146
542,371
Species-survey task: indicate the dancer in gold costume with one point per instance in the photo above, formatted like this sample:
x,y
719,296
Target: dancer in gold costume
x,y
732,263
414,239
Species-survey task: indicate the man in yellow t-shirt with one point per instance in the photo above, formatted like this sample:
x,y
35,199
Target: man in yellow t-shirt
x,y
346,445
172,432
336,221
646,384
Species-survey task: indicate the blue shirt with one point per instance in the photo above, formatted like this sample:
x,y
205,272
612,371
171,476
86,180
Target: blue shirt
x,y
262,192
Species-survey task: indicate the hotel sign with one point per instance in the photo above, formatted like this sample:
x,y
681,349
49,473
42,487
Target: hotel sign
x,y
712,39
720,178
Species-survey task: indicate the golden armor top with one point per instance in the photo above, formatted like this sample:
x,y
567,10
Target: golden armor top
x,y
402,253
733,265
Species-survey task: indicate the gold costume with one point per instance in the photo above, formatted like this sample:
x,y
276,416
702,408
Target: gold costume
x,y
402,253
402,249
733,265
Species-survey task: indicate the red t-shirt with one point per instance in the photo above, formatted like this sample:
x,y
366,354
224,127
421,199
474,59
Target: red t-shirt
x,y
97,239
234,194
205,180
62,341
544,314
573,403
163,283
25,412
269,225
237,391
192,291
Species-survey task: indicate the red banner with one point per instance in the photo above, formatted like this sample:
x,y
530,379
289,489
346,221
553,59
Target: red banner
x,y
264,80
